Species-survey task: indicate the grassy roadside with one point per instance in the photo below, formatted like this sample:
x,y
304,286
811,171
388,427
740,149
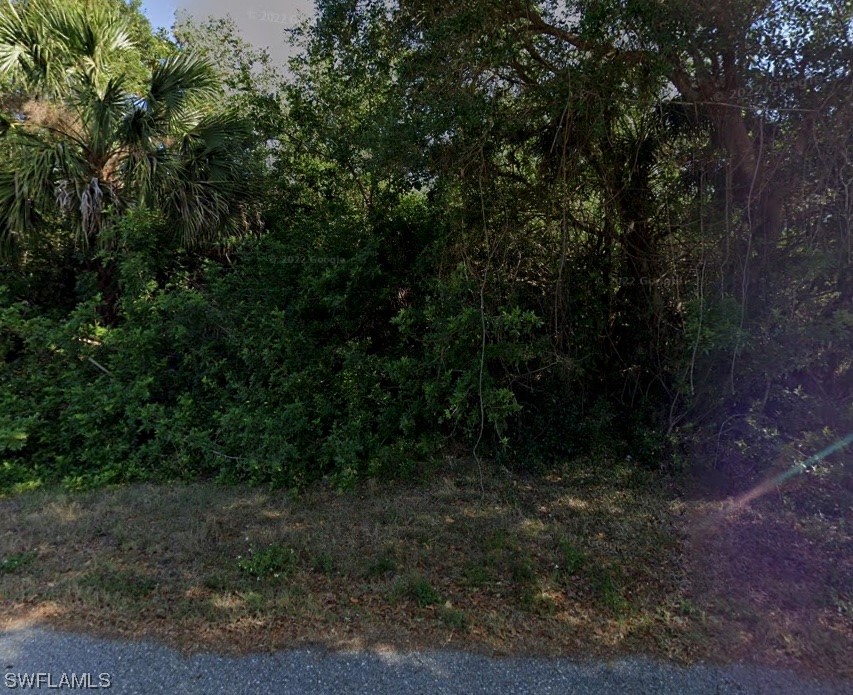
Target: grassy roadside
x,y
573,563
775,577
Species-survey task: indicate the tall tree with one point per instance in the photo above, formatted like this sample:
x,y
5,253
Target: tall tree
x,y
606,147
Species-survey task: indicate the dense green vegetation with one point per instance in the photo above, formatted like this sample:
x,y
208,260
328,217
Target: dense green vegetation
x,y
522,231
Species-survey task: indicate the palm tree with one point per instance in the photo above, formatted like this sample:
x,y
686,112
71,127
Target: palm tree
x,y
83,146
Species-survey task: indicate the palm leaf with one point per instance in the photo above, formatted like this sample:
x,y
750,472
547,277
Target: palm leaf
x,y
205,183
48,43
110,150
26,54
177,82
102,114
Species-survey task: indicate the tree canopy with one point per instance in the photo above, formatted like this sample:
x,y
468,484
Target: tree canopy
x,y
524,231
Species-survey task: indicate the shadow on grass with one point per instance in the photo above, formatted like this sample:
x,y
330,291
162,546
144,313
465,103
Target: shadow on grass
x,y
775,576
577,562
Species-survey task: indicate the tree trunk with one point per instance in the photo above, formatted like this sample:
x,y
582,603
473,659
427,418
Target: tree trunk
x,y
106,273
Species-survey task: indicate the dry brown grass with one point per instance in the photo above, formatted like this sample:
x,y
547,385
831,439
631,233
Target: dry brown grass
x,y
572,563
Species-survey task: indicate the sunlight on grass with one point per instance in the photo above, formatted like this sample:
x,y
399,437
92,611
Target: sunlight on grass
x,y
546,568
65,513
573,503
438,556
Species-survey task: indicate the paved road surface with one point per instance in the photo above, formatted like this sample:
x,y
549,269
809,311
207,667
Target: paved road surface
x,y
145,668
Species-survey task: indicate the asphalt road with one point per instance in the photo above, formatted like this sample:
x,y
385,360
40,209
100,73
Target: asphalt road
x,y
145,667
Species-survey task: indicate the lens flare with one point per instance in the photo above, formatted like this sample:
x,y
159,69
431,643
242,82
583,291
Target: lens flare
x,y
763,488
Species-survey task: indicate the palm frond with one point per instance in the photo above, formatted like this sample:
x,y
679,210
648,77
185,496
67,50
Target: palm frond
x,y
205,183
26,52
142,171
110,150
25,189
46,43
177,82
50,175
102,113
179,88
219,132
200,211
95,35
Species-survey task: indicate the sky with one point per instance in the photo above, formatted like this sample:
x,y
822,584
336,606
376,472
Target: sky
x,y
262,22
160,12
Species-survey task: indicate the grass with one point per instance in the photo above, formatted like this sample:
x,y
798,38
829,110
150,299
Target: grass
x,y
579,561
324,563
272,562
383,565
417,588
453,618
608,590
124,583
15,561
478,575
769,576
570,559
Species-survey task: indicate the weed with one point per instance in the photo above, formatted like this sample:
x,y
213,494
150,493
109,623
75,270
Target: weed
x,y
535,601
381,566
15,561
570,560
254,601
124,583
497,541
274,561
453,618
418,589
324,563
478,575
218,581
522,570
689,609
608,590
